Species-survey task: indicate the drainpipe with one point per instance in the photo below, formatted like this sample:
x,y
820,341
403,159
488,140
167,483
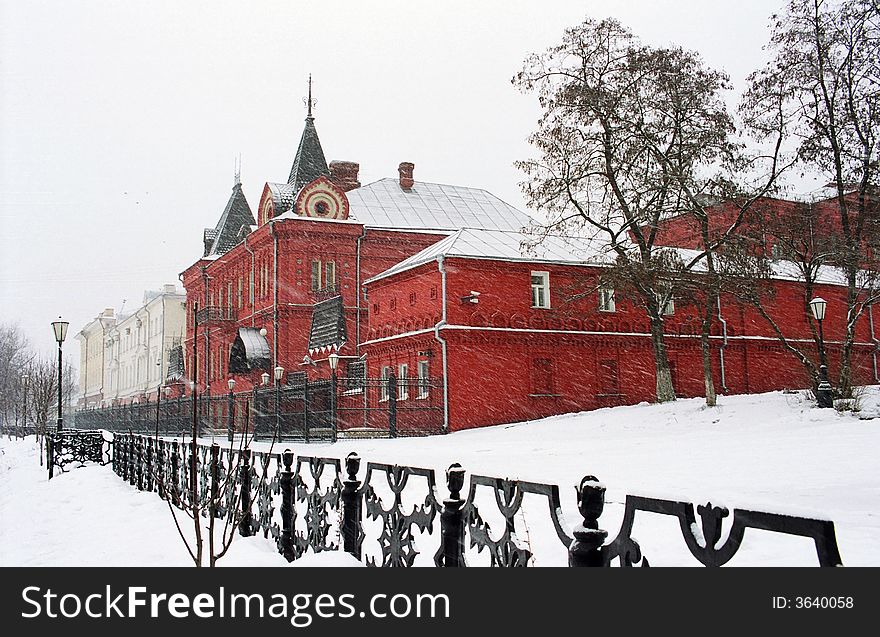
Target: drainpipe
x,y
185,316
252,280
207,355
873,338
723,346
147,347
162,348
275,293
442,342
357,324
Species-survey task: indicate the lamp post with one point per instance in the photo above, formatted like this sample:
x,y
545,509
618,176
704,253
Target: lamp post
x,y
279,372
334,363
60,329
824,390
24,378
230,409
158,395
261,405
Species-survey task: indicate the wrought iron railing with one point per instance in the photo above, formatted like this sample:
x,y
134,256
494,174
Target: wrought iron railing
x,y
390,515
216,314
327,292
318,410
72,448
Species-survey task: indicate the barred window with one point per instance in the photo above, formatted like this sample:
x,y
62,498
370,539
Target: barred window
x,y
424,382
356,373
403,381
296,379
383,386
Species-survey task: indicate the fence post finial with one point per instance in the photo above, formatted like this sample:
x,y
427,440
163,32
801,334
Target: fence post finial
x,y
586,549
286,544
351,507
451,552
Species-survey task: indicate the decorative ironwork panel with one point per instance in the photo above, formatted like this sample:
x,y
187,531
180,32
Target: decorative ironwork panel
x,y
702,540
267,483
231,483
396,540
321,503
76,448
507,550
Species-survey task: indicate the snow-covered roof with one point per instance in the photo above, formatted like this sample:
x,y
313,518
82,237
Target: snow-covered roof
x,y
384,204
505,245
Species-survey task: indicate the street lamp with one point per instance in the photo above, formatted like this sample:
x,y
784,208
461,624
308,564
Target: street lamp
x,y
60,329
24,378
823,391
333,359
231,409
279,372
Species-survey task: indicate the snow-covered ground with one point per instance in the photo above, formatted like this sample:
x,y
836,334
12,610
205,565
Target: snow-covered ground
x,y
772,452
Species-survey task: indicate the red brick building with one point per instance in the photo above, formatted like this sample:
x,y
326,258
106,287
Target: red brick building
x,y
424,280
515,346
320,236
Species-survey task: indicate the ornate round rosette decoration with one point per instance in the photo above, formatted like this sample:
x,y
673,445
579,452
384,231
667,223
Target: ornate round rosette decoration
x,y
322,199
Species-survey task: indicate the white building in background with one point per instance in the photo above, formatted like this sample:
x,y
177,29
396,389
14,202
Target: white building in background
x,y
137,348
92,359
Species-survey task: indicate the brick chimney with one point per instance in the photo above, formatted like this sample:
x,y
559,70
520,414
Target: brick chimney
x,y
345,174
406,175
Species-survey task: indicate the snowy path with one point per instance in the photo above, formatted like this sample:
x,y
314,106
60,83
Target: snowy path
x,y
771,452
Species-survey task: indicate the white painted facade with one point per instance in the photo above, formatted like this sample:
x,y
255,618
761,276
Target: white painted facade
x,y
137,348
92,364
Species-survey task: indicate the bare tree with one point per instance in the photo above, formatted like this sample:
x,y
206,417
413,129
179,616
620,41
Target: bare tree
x,y
632,135
15,355
215,515
826,69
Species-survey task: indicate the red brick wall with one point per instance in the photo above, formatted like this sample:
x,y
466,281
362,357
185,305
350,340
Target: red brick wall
x,y
498,372
300,241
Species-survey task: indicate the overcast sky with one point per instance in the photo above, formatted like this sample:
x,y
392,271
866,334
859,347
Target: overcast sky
x,y
120,121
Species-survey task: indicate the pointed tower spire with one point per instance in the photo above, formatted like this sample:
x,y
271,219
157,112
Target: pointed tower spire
x,y
236,218
309,163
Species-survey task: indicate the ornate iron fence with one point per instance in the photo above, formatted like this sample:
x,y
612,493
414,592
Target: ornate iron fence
x,y
318,410
76,448
19,431
394,514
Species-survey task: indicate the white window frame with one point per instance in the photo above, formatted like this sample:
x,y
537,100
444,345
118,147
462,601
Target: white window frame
x,y
329,275
607,302
317,275
402,381
540,289
669,306
424,368
384,374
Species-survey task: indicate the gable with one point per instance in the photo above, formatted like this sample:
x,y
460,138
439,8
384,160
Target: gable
x,y
321,199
